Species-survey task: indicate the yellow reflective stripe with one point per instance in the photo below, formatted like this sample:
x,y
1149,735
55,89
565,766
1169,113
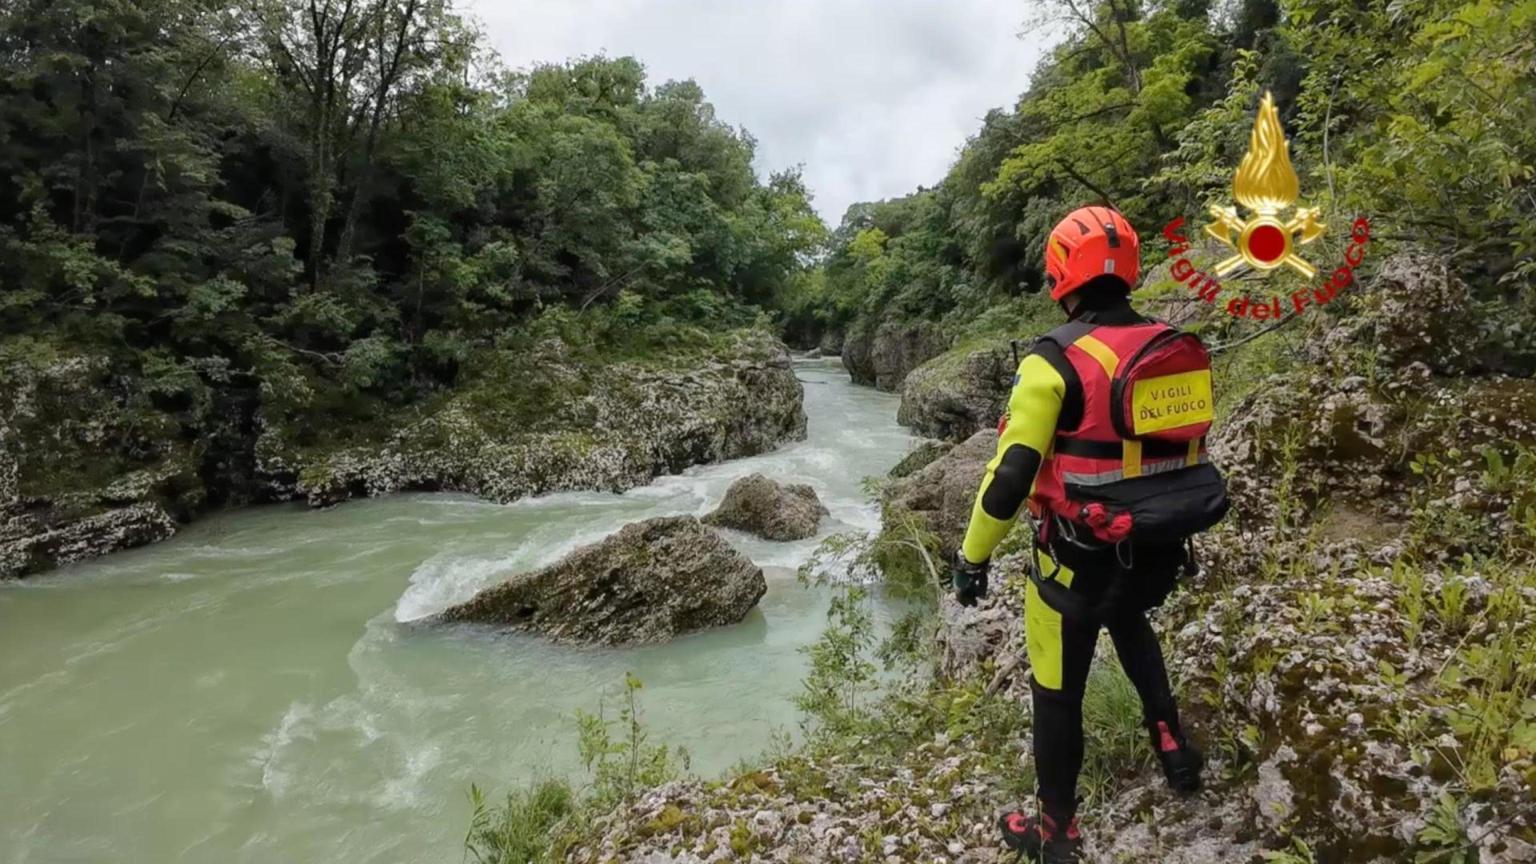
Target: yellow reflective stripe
x,y
1060,250
1100,352
1193,457
1130,458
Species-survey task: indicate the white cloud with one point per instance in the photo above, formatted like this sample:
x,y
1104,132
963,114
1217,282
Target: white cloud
x,y
873,97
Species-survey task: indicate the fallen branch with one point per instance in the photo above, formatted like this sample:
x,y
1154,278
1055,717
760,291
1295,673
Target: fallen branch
x,y
1227,346
1004,672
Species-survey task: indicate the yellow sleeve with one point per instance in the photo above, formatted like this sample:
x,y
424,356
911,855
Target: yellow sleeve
x,y
1032,413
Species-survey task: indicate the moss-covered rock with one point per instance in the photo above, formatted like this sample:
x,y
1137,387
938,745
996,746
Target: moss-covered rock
x,y
86,466
959,393
609,427
939,496
923,455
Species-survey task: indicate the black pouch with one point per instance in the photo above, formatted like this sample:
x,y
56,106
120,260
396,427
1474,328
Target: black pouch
x,y
1165,507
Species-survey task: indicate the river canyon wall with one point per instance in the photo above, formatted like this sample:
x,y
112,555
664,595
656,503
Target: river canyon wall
x,y
89,464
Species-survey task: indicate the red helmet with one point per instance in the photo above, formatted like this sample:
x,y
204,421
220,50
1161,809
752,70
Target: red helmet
x,y
1091,242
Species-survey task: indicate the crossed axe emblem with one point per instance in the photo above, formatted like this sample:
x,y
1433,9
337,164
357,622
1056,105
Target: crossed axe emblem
x,y
1265,242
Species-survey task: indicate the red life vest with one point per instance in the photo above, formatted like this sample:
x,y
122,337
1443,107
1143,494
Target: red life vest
x,y
1136,464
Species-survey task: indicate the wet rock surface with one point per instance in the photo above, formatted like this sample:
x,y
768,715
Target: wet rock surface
x,y
648,583
29,543
770,510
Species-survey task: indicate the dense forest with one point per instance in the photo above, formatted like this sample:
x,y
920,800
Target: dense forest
x,y
299,217
1420,116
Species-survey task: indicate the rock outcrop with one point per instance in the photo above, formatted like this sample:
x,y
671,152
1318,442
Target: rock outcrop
x,y
939,496
611,428
81,475
831,343
883,357
921,456
770,510
90,464
959,393
648,583
31,542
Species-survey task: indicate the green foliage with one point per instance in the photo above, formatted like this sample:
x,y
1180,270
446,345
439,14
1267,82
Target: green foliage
x,y
1435,104
1445,836
535,825
1115,739
1416,114
624,764
524,829
319,218
1299,853
842,677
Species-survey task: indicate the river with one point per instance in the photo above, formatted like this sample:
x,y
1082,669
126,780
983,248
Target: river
x,y
247,691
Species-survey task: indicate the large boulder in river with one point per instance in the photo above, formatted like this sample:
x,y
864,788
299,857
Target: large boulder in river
x,y
648,583
768,509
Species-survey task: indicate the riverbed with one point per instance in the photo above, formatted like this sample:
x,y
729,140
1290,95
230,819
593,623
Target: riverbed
x,y
252,690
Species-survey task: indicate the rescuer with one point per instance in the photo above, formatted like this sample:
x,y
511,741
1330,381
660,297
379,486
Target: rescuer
x,y
1104,442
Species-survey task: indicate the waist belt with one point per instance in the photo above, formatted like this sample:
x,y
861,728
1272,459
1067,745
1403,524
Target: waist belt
x,y
1087,449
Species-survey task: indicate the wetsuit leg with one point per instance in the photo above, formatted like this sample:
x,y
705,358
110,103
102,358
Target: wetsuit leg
x,y
1060,654
1142,658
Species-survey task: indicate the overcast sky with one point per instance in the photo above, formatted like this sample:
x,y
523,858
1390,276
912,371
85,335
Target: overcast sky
x,y
873,97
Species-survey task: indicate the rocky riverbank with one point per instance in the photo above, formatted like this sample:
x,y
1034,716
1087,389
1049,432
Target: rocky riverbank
x,y
91,464
959,393
1353,657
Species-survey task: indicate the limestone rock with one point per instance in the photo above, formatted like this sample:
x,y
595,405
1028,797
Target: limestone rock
x,y
882,358
923,455
649,582
80,474
613,429
958,394
941,494
28,545
831,344
768,509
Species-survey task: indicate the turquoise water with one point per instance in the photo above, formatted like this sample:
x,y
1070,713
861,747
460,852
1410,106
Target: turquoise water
x,y
252,691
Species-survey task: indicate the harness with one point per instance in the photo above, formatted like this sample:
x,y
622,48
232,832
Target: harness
x,y
1125,467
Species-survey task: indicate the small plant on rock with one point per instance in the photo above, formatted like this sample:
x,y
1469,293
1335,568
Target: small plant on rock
x,y
625,764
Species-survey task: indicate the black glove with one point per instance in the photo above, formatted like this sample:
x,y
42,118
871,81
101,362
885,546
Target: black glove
x,y
969,580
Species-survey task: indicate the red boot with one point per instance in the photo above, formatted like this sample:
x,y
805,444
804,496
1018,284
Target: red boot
x,y
1040,839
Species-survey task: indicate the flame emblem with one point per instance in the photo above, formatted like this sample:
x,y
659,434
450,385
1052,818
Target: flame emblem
x,y
1266,184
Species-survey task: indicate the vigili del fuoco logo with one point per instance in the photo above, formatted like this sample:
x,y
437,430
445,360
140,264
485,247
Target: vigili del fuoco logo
x,y
1269,239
